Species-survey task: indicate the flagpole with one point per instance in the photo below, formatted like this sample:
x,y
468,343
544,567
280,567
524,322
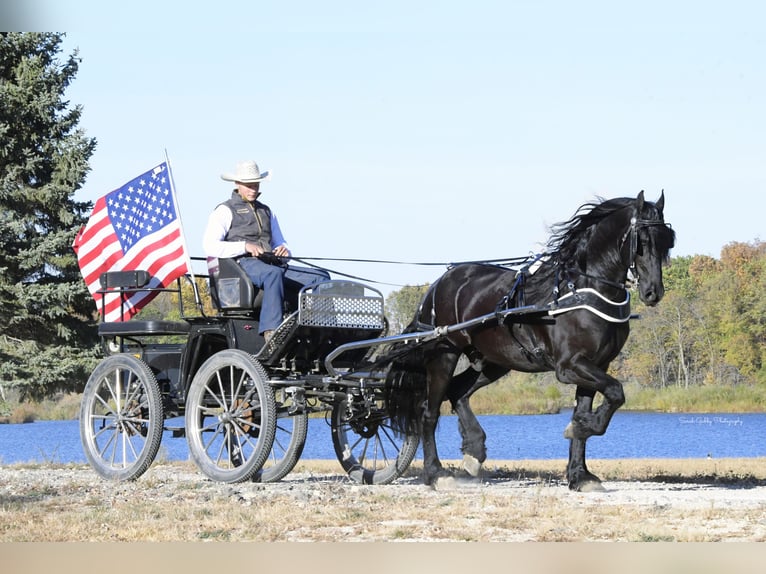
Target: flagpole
x,y
197,299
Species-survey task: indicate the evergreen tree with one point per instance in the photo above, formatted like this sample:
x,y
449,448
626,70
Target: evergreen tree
x,y
48,341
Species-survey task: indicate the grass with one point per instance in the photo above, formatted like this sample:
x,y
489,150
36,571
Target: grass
x,y
705,398
62,407
521,393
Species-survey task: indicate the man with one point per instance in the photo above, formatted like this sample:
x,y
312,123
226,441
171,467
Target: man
x,y
245,229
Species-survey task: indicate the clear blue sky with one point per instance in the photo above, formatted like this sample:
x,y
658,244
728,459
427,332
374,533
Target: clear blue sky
x,y
431,131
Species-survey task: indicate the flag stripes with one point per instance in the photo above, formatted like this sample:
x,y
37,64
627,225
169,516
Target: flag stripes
x,y
135,227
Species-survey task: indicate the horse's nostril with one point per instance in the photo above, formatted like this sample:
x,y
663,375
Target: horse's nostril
x,y
651,297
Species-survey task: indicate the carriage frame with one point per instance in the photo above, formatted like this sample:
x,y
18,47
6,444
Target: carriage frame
x,y
243,403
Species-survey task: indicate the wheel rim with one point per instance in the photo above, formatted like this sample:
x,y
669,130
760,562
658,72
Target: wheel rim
x,y
121,418
229,426
367,446
230,419
289,440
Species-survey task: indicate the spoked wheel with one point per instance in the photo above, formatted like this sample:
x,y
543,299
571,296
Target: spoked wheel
x,y
121,418
366,445
289,439
230,417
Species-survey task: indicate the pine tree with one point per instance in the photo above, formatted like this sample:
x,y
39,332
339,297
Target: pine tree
x,y
48,341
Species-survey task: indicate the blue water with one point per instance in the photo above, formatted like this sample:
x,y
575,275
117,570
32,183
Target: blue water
x,y
630,435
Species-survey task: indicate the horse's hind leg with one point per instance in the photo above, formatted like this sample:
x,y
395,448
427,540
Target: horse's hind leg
x,y
474,438
439,368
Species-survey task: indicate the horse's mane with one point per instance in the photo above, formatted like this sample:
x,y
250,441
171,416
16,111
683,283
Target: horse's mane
x,y
569,238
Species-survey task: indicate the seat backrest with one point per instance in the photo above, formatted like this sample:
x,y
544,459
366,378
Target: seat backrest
x,y
230,287
124,279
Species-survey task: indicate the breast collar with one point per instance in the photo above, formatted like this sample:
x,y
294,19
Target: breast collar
x,y
593,301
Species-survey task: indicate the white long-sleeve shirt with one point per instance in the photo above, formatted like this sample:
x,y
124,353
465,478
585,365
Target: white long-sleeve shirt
x,y
218,224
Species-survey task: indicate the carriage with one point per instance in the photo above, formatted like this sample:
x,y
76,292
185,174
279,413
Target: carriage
x,y
245,403
242,404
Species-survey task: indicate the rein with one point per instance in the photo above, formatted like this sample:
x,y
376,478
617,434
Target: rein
x,y
631,234
507,261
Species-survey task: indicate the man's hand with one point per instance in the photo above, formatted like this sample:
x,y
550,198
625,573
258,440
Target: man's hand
x,y
253,249
281,251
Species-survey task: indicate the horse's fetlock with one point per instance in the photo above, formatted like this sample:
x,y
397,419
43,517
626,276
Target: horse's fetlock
x,y
615,395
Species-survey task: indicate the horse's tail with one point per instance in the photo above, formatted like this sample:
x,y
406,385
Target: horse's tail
x,y
406,390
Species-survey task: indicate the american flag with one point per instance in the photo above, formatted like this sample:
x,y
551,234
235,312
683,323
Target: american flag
x,y
135,227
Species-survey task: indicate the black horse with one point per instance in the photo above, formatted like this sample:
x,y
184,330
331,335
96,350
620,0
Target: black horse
x,y
579,285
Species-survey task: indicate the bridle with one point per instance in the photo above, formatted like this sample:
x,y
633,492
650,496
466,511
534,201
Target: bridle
x,y
632,233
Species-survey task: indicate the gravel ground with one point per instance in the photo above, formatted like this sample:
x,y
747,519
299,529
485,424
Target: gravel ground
x,y
174,502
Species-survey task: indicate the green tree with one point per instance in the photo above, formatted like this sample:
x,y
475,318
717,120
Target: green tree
x,y
743,324
711,327
48,340
166,305
402,304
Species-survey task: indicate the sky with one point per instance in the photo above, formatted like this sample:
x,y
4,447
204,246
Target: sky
x,y
430,131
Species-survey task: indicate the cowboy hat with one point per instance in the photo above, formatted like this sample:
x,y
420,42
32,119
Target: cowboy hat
x,y
246,172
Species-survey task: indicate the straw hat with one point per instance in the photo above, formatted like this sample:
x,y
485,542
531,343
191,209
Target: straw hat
x,y
246,172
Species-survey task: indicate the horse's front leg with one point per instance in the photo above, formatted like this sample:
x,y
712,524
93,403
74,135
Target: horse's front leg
x,y
578,475
589,379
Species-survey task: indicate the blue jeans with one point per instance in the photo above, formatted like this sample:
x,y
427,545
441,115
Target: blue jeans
x,y
274,281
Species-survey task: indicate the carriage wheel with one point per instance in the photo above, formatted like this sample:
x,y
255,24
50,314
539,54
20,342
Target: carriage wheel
x,y
121,418
289,439
366,445
230,416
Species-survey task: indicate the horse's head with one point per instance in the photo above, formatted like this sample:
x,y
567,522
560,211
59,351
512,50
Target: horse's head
x,y
649,241
602,241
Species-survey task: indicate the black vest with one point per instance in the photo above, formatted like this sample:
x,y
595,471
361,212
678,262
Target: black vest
x,y
249,221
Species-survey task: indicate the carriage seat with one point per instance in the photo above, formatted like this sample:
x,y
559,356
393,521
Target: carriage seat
x,y
126,282
231,289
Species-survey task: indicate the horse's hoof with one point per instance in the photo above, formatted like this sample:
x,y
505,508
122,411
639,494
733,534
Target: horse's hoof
x,y
471,465
569,431
590,486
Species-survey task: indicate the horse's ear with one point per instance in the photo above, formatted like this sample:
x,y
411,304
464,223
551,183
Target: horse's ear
x,y
640,201
660,205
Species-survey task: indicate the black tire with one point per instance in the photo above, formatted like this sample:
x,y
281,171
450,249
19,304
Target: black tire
x,y
289,440
121,418
366,445
230,417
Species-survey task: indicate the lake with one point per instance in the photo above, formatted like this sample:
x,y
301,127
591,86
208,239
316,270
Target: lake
x,y
509,437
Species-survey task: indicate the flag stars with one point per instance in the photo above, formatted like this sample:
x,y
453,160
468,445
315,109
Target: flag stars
x,y
141,207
